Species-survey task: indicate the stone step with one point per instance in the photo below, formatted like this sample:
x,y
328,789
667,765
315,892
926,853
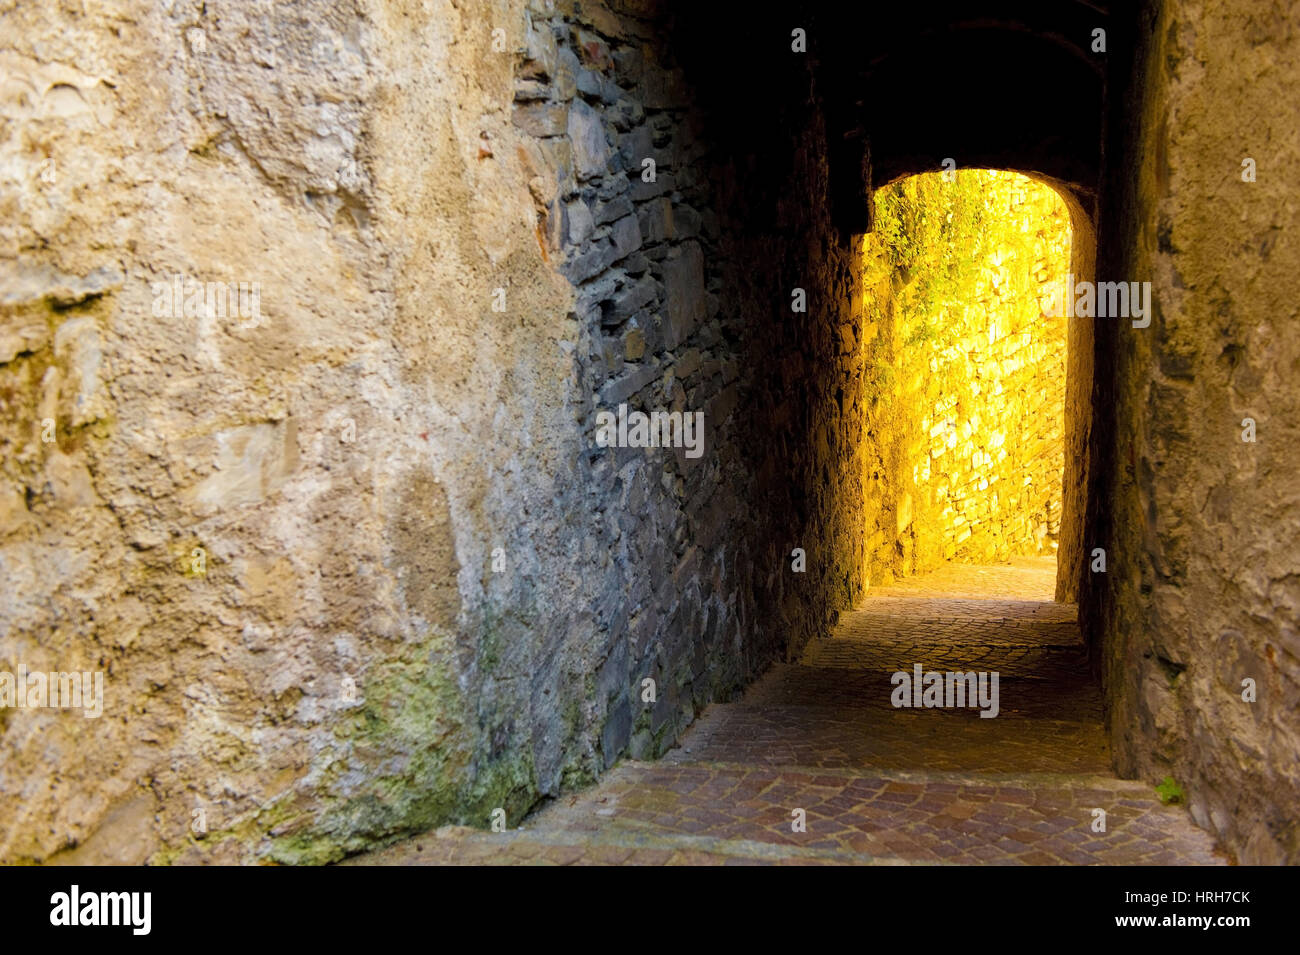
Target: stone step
x,y
720,813
1072,697
875,784
838,737
458,845
953,611
1065,663
955,622
1014,637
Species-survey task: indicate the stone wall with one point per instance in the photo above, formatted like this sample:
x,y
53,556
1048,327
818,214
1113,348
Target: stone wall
x,y
352,561
1201,591
1071,555
968,370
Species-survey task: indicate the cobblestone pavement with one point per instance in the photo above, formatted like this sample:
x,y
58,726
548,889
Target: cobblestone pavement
x,y
819,741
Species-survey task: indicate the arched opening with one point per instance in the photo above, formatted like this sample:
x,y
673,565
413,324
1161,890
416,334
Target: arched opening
x,y
429,586
968,374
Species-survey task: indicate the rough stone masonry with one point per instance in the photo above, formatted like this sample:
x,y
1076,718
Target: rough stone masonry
x,y
359,568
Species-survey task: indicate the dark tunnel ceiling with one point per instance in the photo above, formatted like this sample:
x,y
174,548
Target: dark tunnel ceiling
x,y
1009,84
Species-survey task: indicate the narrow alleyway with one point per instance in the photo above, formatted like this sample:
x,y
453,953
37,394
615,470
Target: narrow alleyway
x,y
878,784
426,419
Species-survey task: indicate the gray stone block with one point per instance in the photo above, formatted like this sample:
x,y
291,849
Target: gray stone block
x,y
632,381
684,283
617,731
656,218
627,301
587,136
566,72
626,236
613,209
592,262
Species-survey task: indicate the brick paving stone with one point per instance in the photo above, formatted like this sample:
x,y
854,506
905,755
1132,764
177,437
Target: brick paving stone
x,y
879,785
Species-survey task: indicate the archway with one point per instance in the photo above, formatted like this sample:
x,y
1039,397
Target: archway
x,y
977,382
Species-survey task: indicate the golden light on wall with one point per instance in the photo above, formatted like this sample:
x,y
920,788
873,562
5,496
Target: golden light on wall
x,y
966,370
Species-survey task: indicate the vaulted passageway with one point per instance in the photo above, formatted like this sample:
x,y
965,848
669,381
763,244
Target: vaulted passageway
x,y
951,716
366,564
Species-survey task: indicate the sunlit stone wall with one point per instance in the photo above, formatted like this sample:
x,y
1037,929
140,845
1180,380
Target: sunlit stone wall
x,y
966,375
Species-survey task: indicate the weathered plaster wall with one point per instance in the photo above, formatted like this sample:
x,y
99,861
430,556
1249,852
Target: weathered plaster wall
x,y
1201,590
327,458
354,565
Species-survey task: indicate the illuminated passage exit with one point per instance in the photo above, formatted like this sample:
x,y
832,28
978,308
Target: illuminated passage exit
x,y
966,370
